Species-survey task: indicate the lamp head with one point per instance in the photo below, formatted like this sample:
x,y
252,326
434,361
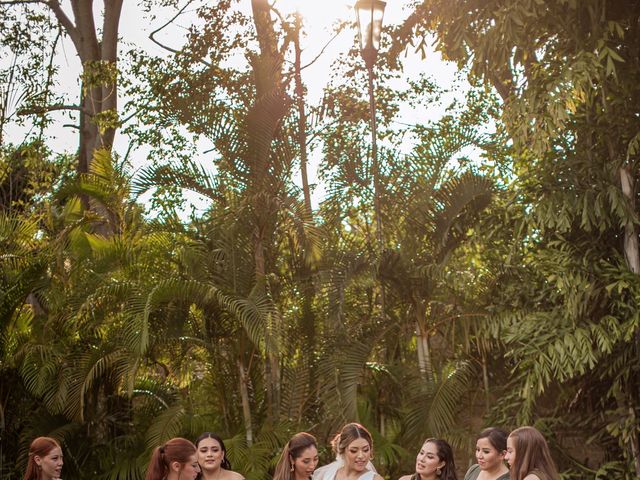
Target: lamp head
x,y
370,14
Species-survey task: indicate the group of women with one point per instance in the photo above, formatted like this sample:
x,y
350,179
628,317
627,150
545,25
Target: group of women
x,y
521,455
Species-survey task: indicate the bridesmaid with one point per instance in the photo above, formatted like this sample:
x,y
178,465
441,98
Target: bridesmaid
x,y
212,457
529,457
491,447
299,458
175,460
434,461
45,460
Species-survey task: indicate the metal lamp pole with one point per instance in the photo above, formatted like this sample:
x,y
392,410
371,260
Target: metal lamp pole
x,y
370,14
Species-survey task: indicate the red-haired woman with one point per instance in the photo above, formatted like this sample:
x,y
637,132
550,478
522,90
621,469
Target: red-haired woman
x,y
45,460
175,460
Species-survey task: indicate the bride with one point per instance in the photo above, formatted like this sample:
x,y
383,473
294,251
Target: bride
x,y
353,447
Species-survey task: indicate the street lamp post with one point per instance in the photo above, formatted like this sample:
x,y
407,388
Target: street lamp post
x,y
370,14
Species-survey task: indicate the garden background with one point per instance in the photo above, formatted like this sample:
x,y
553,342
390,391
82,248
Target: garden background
x,y
166,269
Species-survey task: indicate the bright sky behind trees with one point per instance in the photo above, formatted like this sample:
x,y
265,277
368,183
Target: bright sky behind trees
x,y
318,43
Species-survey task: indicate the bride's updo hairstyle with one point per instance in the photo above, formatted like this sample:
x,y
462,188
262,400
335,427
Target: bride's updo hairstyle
x,y
349,433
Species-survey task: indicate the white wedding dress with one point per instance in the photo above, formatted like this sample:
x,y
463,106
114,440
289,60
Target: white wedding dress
x,y
328,472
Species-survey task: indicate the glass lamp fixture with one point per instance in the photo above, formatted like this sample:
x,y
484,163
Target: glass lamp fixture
x,y
370,14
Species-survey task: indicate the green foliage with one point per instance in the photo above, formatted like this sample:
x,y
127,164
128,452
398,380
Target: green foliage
x,y
501,286
563,302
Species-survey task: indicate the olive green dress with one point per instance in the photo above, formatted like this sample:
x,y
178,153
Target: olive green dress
x,y
474,471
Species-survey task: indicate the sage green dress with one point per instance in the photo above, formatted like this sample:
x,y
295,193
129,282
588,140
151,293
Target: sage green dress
x,y
474,471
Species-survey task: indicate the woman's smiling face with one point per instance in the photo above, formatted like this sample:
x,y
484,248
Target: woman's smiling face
x,y
487,456
357,455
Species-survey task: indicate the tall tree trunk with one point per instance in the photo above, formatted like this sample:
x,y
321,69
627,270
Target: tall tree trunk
x,y
246,406
302,118
485,381
99,93
422,341
632,257
99,86
272,104
631,249
308,319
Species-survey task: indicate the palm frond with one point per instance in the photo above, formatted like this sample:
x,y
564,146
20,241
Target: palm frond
x,y
435,407
168,424
250,311
461,196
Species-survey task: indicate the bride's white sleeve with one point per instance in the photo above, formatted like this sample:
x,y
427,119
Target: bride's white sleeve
x,y
327,472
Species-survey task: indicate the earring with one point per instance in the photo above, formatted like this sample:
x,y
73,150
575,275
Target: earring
x,y
438,471
292,467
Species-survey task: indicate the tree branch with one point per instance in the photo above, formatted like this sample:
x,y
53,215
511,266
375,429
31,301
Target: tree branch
x,y
19,2
64,20
51,108
326,45
89,46
151,35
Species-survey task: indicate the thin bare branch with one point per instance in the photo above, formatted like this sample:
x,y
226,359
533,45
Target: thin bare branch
x,y
64,21
169,22
326,45
51,108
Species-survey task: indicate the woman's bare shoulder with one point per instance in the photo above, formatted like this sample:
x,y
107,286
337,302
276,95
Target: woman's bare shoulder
x,y
377,477
531,476
405,477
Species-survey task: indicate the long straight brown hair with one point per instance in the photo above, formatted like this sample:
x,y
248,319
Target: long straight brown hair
x,y
292,450
532,453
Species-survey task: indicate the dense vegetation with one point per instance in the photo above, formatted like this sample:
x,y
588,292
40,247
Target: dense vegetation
x,y
502,287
